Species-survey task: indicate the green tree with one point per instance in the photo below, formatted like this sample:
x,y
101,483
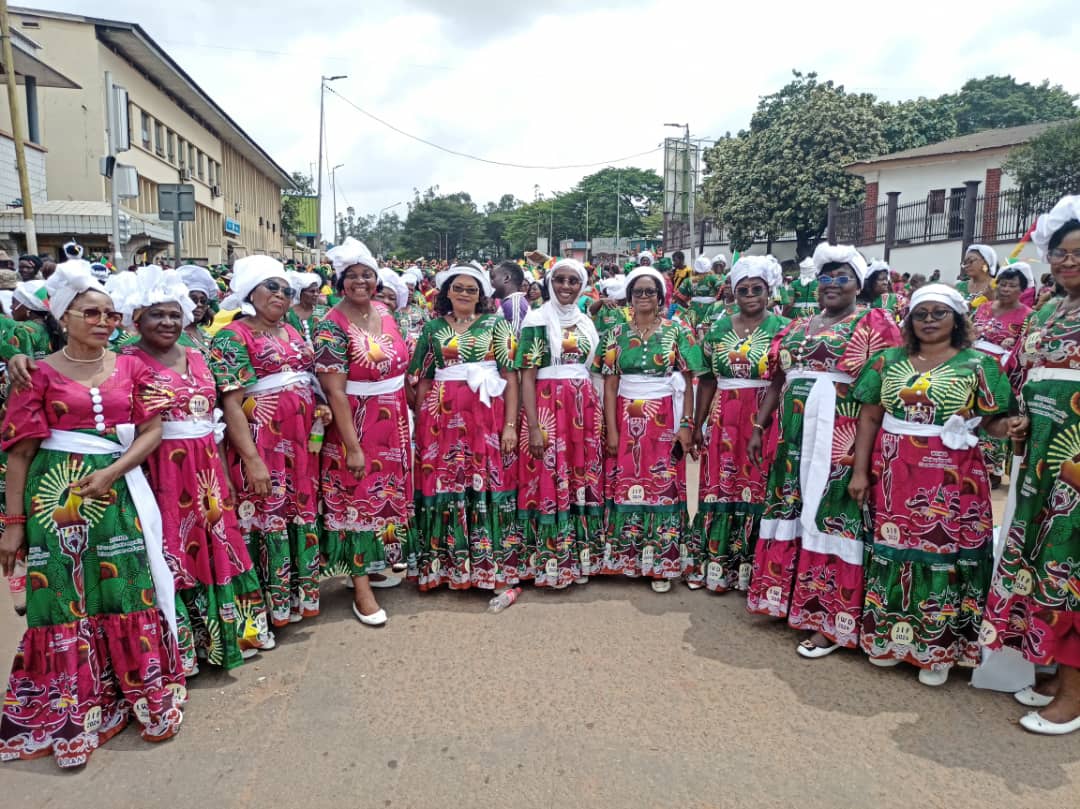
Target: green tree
x,y
911,124
442,225
303,186
1050,161
1001,101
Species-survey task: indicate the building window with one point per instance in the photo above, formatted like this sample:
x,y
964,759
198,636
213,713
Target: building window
x,y
159,138
172,146
202,166
211,172
937,201
191,157
145,131
182,153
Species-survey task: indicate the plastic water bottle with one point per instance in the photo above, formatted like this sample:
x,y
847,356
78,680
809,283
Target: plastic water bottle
x,y
504,600
315,438
17,586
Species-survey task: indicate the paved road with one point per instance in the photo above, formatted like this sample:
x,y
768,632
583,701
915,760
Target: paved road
x,y
602,696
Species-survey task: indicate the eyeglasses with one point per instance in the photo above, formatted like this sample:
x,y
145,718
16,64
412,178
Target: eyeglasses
x,y
277,288
750,292
460,290
835,280
1060,254
922,315
643,292
93,316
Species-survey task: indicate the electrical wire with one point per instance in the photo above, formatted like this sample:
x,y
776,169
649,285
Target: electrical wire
x,y
468,156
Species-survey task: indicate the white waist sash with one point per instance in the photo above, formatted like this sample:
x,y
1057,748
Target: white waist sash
x,y
990,348
726,383
640,386
804,304
281,380
482,377
1055,374
956,433
702,299
364,389
145,506
569,371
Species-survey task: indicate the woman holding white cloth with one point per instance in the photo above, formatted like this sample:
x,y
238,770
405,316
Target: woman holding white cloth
x,y
809,555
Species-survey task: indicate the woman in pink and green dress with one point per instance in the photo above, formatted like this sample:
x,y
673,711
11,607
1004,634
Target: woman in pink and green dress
x,y
306,311
1034,601
697,294
647,365
264,372
932,554
100,643
979,265
808,562
877,290
467,532
366,484
560,451
730,392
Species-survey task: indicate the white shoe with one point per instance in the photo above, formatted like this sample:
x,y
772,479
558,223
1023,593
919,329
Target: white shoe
x,y
267,643
581,580
248,653
932,678
1032,698
811,652
661,585
884,662
377,618
1035,723
694,585
295,617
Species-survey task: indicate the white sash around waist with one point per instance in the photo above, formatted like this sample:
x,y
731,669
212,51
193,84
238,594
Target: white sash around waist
x,y
641,386
364,389
1055,374
193,429
482,377
145,506
573,370
726,383
990,348
702,299
804,304
956,433
281,380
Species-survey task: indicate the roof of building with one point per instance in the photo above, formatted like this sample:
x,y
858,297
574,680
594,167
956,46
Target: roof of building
x,y
131,42
81,217
26,63
965,144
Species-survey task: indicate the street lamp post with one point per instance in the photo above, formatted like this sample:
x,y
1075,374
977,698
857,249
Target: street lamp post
x,y
333,188
323,81
690,173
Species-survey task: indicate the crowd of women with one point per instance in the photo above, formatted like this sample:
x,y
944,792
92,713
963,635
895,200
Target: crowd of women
x,y
178,497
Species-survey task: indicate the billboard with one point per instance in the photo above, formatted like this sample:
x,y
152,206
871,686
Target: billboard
x,y
681,166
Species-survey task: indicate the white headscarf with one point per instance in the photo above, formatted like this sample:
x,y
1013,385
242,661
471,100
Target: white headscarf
x,y
651,273
614,288
939,293
389,278
151,285
32,295
199,279
71,278
807,273
299,281
989,255
826,253
350,253
702,265
1066,209
646,254
766,268
469,270
248,273
720,258
555,317
876,265
1024,269
412,274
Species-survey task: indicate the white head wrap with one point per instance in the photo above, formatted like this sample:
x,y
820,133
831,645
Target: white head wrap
x,y
199,279
646,254
389,278
614,288
100,271
32,295
555,317
71,278
412,275
989,255
248,273
766,268
649,272
350,253
806,270
1024,269
702,265
939,293
720,258
826,253
876,265
1066,209
134,292
469,270
299,281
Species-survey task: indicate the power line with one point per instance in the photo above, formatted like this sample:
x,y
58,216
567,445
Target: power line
x,y
468,156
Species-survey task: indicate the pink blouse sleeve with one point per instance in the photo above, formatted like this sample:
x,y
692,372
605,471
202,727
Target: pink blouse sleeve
x,y
25,414
874,332
149,397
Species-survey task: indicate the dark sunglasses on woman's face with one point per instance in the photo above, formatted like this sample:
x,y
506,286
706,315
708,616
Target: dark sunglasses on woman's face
x,y
92,316
277,288
460,290
923,315
835,280
644,292
750,292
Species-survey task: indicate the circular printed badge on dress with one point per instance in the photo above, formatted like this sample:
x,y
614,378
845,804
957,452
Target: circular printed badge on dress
x,y
246,510
351,514
890,532
478,482
92,720
747,495
785,358
845,623
199,406
581,495
636,494
987,633
774,595
1023,584
714,571
902,633
552,568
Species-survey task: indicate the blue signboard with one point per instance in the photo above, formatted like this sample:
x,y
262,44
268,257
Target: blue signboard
x,y
232,227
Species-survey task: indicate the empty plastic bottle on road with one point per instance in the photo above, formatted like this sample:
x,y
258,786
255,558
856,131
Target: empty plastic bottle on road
x,y
504,599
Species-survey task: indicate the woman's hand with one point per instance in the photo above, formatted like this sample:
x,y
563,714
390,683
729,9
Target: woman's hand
x,y
612,442
699,442
10,545
536,442
257,476
325,414
95,486
859,487
1019,427
509,439
686,439
753,446
355,462
19,370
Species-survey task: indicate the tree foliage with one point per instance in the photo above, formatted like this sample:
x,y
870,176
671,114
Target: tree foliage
x,y
290,202
1049,161
998,102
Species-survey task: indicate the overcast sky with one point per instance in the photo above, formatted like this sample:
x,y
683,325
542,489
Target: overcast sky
x,y
557,82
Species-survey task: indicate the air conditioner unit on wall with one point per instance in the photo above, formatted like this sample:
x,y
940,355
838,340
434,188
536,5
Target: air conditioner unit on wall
x,y
185,175
215,190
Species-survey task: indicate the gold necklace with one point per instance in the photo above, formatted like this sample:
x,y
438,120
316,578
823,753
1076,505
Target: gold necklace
x,y
99,358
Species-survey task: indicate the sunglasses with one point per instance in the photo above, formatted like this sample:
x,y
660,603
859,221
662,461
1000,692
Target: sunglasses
x,y
459,290
645,292
922,315
277,288
1060,254
835,280
750,292
93,316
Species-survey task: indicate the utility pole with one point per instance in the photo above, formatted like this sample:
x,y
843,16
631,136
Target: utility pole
x,y
116,140
618,203
323,81
587,245
17,132
333,187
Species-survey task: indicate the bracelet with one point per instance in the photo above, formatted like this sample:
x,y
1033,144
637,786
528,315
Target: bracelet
x,y
756,426
13,519
687,423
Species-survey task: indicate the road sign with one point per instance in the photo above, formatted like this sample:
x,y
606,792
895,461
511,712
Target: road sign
x,y
176,203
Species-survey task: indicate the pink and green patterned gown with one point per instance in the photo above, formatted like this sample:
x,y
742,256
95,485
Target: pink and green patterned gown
x,y
997,335
695,298
1034,601
466,489
732,488
96,648
281,528
221,616
929,568
561,496
367,520
645,487
815,579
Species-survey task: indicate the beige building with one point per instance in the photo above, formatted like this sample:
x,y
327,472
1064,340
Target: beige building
x,y
178,135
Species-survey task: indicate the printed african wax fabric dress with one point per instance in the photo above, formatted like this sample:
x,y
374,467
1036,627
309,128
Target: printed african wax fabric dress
x,y
645,486
932,556
96,648
608,316
411,321
975,299
561,495
802,298
732,487
221,616
810,569
696,295
306,326
280,528
997,336
890,301
466,488
367,520
1034,600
